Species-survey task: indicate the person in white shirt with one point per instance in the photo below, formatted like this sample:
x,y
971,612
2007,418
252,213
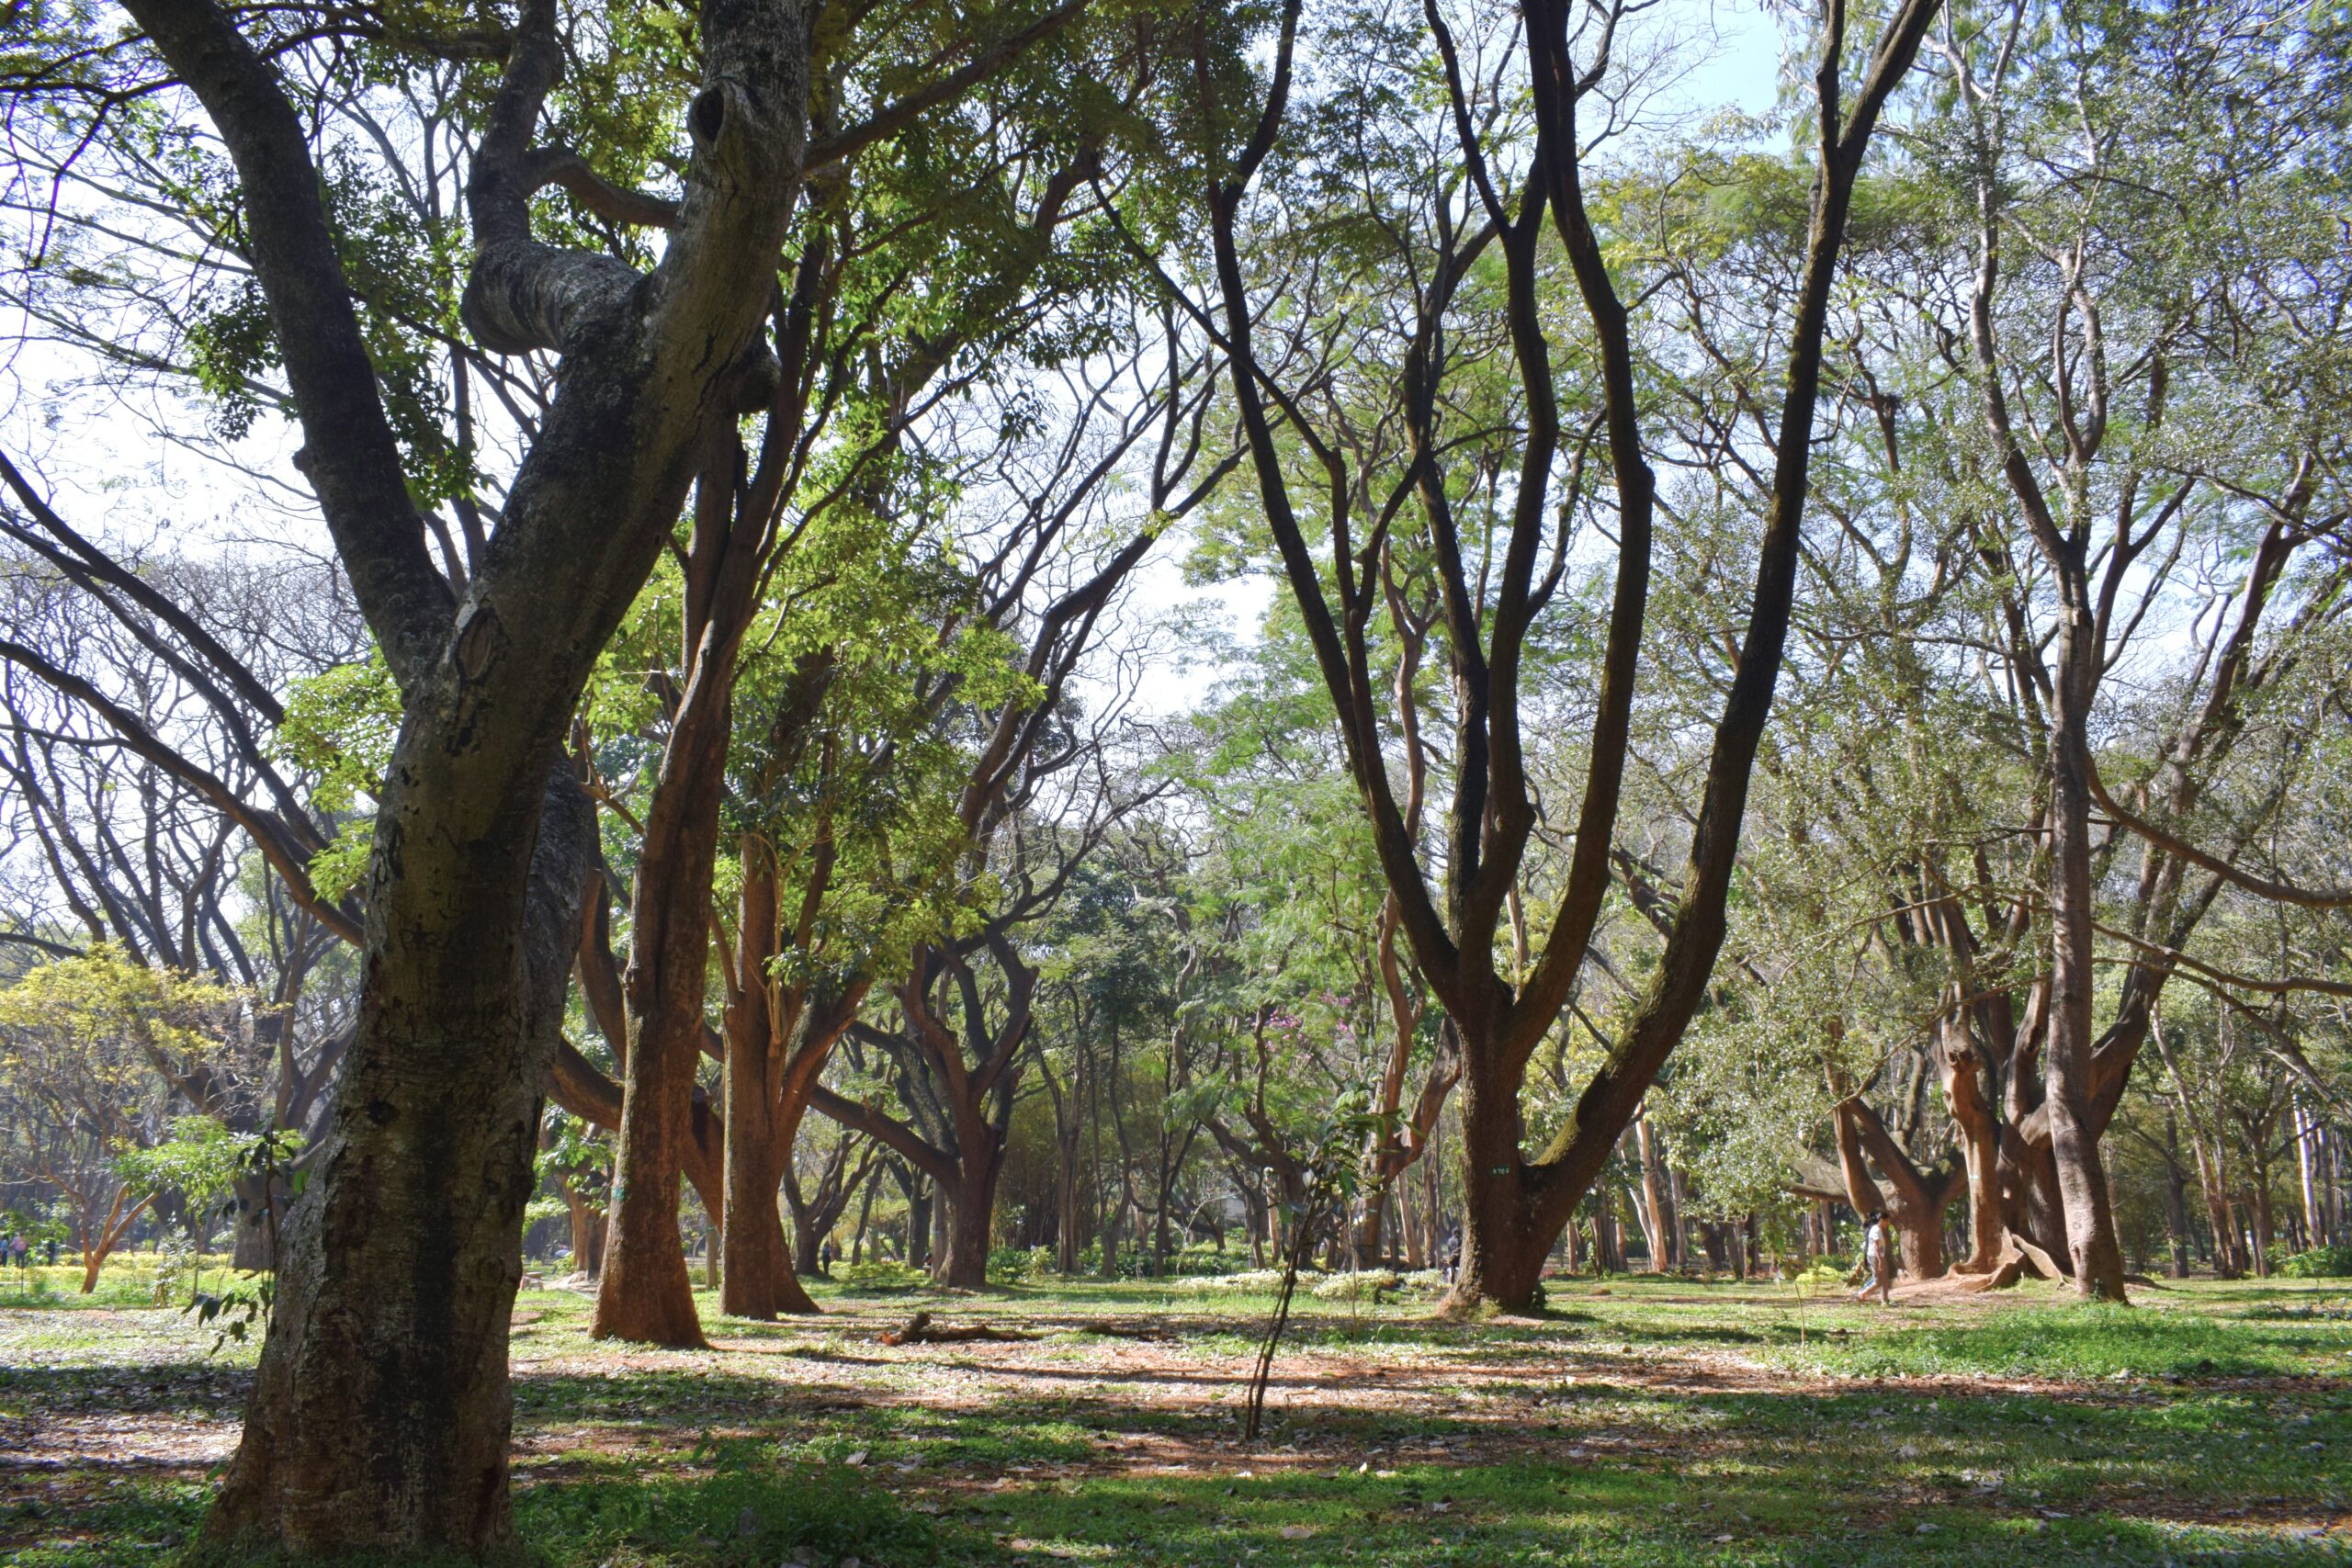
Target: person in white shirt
x,y
1878,1260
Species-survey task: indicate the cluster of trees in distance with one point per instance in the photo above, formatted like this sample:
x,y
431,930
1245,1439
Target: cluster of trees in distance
x,y
604,648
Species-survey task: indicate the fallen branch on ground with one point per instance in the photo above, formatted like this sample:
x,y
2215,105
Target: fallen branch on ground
x,y
920,1331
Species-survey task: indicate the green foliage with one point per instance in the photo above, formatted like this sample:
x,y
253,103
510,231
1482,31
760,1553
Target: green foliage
x,y
875,1276
84,1005
340,727
265,1160
2318,1263
1018,1265
231,350
201,1160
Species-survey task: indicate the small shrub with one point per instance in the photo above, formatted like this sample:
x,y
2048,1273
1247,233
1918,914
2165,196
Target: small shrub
x,y
1363,1286
879,1274
1251,1283
2319,1263
1015,1265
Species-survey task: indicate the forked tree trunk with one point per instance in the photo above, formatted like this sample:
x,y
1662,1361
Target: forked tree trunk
x,y
98,1241
1918,1198
1514,1206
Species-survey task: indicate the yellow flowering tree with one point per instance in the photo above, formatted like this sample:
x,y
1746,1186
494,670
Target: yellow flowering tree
x,y
89,1048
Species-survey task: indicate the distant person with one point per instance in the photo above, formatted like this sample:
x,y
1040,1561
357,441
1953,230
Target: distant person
x,y
1452,1257
1878,1260
825,1256
52,1252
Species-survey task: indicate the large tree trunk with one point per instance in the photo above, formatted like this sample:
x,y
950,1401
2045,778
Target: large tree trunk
x,y
970,1207
759,1281
1502,1251
380,1410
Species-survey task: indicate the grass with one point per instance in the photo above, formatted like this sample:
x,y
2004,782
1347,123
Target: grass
x,y
1640,1422
2082,1342
128,1281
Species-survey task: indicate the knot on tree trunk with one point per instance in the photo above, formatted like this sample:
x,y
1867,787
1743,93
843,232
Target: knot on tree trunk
x,y
522,296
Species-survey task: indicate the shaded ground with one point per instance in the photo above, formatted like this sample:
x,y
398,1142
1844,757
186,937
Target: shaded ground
x,y
1640,1422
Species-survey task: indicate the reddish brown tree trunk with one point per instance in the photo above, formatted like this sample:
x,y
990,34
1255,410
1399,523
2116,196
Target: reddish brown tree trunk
x,y
759,1281
971,1209
646,1292
1914,1200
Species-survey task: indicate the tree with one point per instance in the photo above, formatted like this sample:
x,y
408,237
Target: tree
x,y
82,1041
380,1413
147,747
852,376
1515,1205
2107,452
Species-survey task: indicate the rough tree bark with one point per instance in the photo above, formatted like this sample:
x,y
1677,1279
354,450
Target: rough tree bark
x,y
380,1411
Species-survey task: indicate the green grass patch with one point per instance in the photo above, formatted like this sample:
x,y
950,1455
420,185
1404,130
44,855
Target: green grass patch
x,y
725,1508
1640,1422
2077,1342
